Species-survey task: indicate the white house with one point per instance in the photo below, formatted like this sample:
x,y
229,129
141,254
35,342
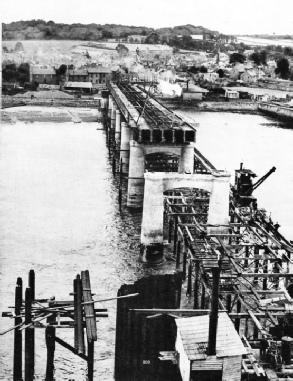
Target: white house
x,y
249,76
211,77
194,92
231,94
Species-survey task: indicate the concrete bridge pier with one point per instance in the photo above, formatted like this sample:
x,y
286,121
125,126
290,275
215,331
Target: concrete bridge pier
x,y
151,243
113,116
126,137
118,126
136,175
219,203
186,161
110,105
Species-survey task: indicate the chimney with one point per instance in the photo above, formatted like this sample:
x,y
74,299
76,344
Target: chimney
x,y
214,313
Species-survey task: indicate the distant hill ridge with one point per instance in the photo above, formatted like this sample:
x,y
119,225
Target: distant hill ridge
x,y
42,30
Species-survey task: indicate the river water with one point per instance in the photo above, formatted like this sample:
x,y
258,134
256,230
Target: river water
x,y
227,139
60,215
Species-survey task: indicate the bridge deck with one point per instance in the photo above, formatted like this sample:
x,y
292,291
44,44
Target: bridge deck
x,y
153,122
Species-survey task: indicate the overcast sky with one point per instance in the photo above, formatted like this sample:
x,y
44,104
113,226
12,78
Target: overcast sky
x,y
226,16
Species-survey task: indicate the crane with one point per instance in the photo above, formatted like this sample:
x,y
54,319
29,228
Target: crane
x,y
249,191
244,187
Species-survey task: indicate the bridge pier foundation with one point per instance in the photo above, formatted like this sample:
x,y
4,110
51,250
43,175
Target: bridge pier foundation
x,y
113,116
118,126
136,175
151,247
126,137
219,203
110,105
186,161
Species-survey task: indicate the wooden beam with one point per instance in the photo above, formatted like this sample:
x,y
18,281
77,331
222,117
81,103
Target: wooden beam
x,y
266,275
187,214
274,292
172,311
258,324
260,315
69,347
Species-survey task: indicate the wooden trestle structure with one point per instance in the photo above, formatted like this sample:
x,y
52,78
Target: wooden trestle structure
x,y
254,262
31,313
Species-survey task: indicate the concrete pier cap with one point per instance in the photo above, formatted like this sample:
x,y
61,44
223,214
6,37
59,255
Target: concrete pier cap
x,y
217,183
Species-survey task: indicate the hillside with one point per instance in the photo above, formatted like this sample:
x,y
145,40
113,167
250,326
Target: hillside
x,y
42,30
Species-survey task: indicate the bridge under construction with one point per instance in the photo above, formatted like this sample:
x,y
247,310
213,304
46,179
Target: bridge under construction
x,y
231,264
226,248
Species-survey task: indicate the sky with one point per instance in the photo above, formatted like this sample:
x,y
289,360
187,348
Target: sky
x,y
225,16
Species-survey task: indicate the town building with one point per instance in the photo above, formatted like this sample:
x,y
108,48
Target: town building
x,y
78,75
99,75
236,71
44,76
249,76
211,76
231,94
193,92
78,86
136,38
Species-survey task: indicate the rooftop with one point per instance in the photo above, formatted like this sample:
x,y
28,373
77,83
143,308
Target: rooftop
x,y
77,72
98,69
81,85
194,333
39,71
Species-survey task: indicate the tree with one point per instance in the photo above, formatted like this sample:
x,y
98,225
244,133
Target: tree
x,y
61,70
23,71
237,57
19,47
5,50
288,51
255,58
283,68
12,73
203,69
122,50
279,49
152,38
263,57
221,73
9,73
107,33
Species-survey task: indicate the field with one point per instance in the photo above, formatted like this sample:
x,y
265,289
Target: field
x,y
262,41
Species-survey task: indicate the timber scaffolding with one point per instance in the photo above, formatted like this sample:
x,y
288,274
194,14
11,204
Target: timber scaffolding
x,y
255,287
33,313
253,258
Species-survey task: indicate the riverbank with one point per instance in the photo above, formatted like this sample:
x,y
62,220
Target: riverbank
x,y
277,111
36,114
214,106
236,107
10,101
